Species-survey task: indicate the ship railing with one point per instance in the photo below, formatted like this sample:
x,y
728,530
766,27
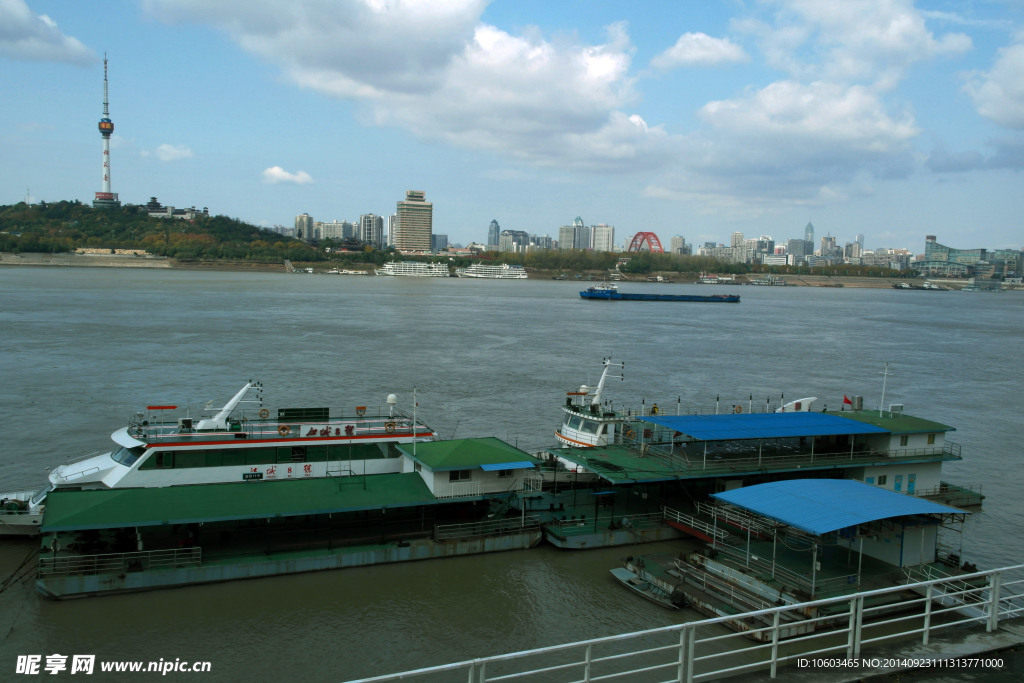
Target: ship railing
x,y
120,563
612,522
461,489
491,527
701,525
946,489
738,518
805,582
869,631
723,461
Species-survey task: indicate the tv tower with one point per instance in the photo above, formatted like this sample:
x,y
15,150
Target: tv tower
x,y
106,199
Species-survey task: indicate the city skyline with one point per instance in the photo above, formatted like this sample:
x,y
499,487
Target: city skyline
x,y
885,118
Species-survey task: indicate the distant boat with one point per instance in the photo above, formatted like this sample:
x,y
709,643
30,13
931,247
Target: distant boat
x,y
493,272
413,269
608,291
643,588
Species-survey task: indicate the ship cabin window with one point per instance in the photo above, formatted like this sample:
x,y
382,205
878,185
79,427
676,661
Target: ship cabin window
x,y
931,439
882,479
504,473
903,439
458,475
298,454
161,460
574,422
869,480
128,456
589,427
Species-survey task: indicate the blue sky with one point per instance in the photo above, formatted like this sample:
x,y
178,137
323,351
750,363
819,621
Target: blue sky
x,y
888,118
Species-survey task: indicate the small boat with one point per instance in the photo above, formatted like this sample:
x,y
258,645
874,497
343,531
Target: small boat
x,y
609,291
643,588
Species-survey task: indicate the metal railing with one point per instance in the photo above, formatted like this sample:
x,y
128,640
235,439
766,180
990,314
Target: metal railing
x,y
701,650
491,527
117,563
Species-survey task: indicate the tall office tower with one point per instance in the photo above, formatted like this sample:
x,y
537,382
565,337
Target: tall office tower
x,y
371,229
415,222
736,240
809,233
304,227
492,233
392,229
859,239
106,199
677,245
603,237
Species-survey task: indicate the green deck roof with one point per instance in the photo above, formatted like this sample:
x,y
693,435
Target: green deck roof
x,y
114,508
464,454
896,423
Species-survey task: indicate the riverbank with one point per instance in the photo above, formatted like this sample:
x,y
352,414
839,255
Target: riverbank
x,y
150,261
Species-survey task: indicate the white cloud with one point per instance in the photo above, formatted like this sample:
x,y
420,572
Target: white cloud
x,y
432,68
35,37
871,41
699,49
999,93
794,143
276,174
166,152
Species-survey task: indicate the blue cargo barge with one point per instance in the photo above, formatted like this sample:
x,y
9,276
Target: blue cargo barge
x,y
608,291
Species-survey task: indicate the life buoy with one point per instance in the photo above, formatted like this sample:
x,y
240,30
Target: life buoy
x,y
738,409
629,434
360,410
284,430
389,427
264,413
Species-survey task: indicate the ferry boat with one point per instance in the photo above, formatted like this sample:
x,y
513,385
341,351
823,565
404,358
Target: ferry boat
x,y
242,441
493,272
413,269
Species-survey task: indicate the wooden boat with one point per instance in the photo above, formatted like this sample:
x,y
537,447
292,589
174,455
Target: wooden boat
x,y
643,588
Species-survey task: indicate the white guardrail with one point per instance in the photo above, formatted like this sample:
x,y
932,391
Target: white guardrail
x,y
705,650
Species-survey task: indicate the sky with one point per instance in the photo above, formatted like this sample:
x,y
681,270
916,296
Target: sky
x,y
888,118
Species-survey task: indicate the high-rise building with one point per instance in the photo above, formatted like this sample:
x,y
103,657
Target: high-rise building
x,y
492,233
415,223
809,232
602,237
392,229
371,229
304,227
678,245
105,199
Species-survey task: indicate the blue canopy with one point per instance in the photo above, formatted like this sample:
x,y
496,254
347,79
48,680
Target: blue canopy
x,y
819,506
730,426
523,465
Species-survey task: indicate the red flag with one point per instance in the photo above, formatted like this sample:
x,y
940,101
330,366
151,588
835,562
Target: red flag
x,y
846,400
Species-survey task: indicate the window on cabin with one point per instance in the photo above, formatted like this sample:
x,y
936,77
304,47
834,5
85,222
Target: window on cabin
x,y
504,473
931,439
882,479
904,439
458,475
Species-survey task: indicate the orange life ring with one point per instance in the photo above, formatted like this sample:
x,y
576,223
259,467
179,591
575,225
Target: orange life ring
x,y
284,430
629,434
389,427
264,413
738,409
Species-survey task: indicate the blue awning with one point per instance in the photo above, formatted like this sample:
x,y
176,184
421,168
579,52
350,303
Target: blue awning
x,y
730,426
819,506
522,465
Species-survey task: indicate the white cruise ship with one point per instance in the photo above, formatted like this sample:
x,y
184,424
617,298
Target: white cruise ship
x,y
414,269
502,272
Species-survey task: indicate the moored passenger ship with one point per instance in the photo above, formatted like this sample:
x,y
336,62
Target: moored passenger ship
x,y
243,441
493,272
413,269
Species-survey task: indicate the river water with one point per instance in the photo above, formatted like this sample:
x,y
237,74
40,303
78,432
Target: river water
x,y
83,348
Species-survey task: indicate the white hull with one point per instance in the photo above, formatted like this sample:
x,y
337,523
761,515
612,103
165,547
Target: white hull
x,y
489,272
413,269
